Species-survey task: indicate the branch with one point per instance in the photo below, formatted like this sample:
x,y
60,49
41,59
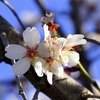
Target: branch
x,y
64,87
36,95
9,32
21,91
13,11
93,41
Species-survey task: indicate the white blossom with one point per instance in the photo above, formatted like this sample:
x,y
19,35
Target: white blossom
x,y
67,54
26,55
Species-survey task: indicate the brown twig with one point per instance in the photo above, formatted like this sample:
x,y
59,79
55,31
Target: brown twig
x,y
21,91
42,7
36,95
92,41
13,11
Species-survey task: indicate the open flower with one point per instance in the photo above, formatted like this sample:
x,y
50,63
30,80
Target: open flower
x,y
67,54
26,55
64,48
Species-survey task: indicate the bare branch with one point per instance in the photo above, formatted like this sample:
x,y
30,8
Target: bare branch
x,y
13,11
93,41
42,7
36,95
21,91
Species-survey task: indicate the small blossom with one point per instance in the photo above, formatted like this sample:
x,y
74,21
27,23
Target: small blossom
x,y
49,17
64,48
49,21
67,53
26,55
52,27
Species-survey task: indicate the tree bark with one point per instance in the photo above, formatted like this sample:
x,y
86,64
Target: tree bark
x,y
63,88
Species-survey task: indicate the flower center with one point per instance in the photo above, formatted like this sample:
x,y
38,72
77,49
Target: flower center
x,y
75,48
64,48
49,60
31,53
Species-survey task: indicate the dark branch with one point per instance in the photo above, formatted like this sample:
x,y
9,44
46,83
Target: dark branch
x,y
21,91
10,32
13,11
36,95
93,41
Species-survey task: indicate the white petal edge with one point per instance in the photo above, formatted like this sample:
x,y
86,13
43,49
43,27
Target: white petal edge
x,y
44,49
46,31
64,58
73,40
56,68
38,66
31,36
73,57
14,51
21,66
58,47
49,77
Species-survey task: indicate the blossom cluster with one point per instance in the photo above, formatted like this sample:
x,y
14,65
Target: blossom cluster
x,y
47,57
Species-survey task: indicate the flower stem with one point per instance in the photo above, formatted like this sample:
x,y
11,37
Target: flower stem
x,y
93,41
85,73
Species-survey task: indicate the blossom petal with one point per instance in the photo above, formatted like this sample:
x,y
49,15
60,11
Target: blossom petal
x,y
44,49
14,51
38,66
57,46
21,66
46,32
58,43
61,40
73,40
56,68
73,57
64,58
31,36
49,77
